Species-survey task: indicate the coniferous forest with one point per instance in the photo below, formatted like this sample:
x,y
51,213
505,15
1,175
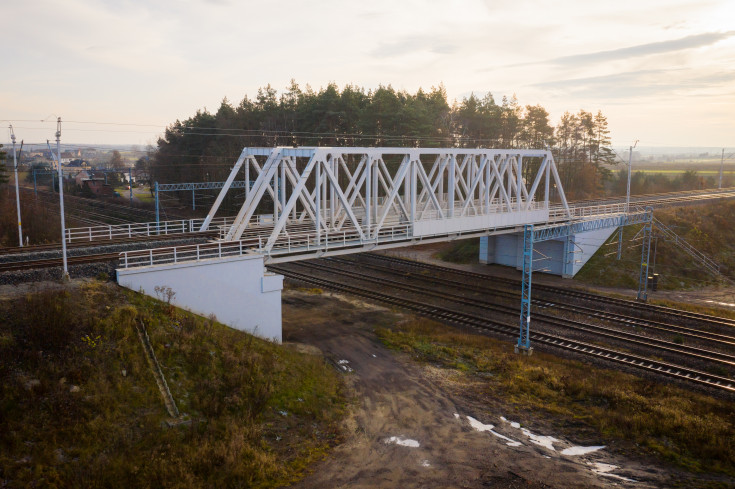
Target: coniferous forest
x,y
204,146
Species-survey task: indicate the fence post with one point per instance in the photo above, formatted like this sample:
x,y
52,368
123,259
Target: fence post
x,y
158,220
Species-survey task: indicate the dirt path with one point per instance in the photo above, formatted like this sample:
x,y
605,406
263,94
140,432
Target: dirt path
x,y
403,430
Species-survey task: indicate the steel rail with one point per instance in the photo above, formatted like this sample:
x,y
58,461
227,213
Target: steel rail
x,y
429,310
56,262
39,248
706,318
545,303
606,332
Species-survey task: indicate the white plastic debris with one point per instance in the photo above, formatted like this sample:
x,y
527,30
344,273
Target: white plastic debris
x,y
479,426
575,451
606,471
404,442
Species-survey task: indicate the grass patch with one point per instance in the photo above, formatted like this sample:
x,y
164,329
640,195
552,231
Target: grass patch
x,y
706,227
462,251
691,430
144,197
79,406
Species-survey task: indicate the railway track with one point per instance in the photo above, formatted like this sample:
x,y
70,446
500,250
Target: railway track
x,y
625,304
107,242
543,304
482,323
92,212
725,341
57,262
623,338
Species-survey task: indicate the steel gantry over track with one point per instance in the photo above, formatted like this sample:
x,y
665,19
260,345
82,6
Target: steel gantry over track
x,y
535,234
343,200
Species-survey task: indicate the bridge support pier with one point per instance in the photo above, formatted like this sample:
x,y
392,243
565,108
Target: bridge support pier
x,y
563,256
237,290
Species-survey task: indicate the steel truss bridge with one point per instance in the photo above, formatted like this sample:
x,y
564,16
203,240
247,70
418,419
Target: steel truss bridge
x,y
308,202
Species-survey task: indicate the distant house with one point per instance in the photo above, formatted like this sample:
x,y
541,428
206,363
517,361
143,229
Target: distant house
x,y
98,187
94,183
81,177
78,164
140,175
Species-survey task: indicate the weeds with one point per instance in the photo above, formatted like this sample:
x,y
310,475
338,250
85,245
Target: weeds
x,y
79,408
690,429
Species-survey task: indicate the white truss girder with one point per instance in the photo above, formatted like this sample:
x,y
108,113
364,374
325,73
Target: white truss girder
x,y
367,193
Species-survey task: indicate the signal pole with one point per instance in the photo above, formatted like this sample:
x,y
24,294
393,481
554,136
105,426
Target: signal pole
x,y
17,190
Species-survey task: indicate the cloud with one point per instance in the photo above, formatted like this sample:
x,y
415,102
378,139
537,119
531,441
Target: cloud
x,y
688,42
641,83
413,44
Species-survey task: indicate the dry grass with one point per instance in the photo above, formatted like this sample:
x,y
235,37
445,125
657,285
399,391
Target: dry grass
x,y
707,227
40,223
689,429
80,407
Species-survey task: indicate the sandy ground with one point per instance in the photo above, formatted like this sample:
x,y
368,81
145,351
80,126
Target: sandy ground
x,y
409,427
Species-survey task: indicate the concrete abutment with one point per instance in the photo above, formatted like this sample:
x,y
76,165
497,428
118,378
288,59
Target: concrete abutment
x,y
237,290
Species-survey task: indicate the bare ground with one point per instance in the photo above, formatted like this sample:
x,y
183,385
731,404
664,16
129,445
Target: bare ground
x,y
395,397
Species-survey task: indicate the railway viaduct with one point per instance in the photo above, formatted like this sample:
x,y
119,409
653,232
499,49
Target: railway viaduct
x,y
308,202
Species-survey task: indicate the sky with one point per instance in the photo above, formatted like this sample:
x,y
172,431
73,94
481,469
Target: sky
x,y
119,71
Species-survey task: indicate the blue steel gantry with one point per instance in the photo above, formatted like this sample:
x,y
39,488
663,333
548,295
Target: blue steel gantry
x,y
533,235
193,186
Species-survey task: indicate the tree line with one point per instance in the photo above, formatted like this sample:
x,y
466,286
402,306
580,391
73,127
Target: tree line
x,y
204,146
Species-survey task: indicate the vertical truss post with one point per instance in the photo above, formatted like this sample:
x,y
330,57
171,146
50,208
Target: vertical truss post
x,y
318,203
524,340
451,185
645,256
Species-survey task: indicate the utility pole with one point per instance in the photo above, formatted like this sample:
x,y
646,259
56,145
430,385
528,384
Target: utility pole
x,y
630,163
17,190
627,201
65,276
722,162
